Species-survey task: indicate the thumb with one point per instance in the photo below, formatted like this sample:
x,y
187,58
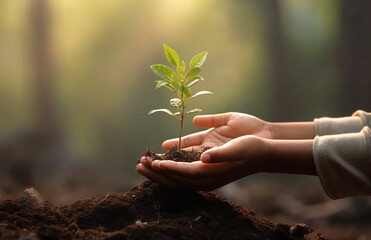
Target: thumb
x,y
225,153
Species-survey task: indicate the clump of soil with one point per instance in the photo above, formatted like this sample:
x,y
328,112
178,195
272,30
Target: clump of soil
x,y
177,155
147,211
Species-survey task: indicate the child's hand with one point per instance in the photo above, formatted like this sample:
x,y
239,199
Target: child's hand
x,y
223,128
241,145
238,158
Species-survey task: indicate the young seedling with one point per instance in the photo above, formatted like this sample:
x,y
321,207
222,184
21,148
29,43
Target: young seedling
x,y
180,83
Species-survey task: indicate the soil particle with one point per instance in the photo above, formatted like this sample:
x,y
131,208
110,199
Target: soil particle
x,y
32,197
299,230
156,212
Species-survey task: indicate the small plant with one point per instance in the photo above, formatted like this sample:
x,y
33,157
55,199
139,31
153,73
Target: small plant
x,y
180,83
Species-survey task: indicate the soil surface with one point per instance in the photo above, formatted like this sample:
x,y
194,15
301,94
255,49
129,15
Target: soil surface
x,y
147,211
176,155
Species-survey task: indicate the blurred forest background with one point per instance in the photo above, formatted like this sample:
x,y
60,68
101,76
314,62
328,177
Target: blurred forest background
x,y
76,87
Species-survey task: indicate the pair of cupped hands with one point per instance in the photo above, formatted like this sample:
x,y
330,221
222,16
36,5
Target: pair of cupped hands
x,y
238,150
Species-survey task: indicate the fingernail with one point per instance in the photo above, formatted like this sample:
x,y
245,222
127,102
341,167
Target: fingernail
x,y
206,157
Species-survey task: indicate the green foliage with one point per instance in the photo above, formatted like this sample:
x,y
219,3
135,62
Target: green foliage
x,y
180,84
166,73
198,60
164,110
172,56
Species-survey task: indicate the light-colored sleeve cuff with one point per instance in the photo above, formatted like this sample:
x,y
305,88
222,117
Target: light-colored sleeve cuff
x,y
353,124
365,117
343,163
329,126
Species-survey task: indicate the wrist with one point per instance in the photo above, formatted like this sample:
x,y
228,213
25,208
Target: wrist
x,y
289,156
279,130
272,130
266,150
292,130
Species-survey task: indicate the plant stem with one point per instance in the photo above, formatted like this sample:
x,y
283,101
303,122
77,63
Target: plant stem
x,y
181,121
181,125
180,134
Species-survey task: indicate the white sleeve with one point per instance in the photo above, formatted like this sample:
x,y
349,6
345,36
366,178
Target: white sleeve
x,y
353,124
343,161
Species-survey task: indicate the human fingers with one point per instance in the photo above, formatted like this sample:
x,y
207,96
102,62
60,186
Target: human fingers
x,y
186,182
168,144
182,168
226,152
210,121
175,182
239,149
195,170
155,176
146,161
235,150
191,140
209,178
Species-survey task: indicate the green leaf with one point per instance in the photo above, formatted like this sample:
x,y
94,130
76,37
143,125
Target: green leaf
x,y
160,83
186,92
162,110
198,60
193,72
166,73
172,56
171,87
202,93
196,110
163,83
176,102
180,71
193,81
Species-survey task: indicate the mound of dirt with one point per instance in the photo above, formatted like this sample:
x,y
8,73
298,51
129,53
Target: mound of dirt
x,y
147,211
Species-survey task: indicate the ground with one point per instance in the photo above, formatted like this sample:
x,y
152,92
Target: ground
x,y
147,211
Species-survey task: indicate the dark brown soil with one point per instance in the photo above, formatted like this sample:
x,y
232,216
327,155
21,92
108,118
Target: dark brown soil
x,y
147,211
176,155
